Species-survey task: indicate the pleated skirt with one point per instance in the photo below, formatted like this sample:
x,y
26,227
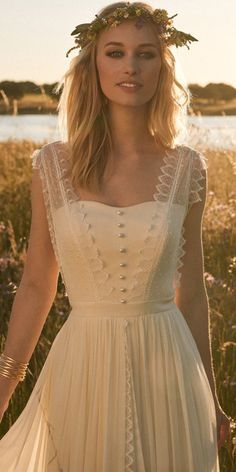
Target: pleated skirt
x,y
118,392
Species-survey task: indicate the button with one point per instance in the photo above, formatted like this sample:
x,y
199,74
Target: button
x,y
121,235
123,289
122,264
123,300
122,277
122,249
120,224
126,323
119,212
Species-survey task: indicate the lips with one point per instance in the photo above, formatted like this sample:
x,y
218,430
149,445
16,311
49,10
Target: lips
x,y
128,82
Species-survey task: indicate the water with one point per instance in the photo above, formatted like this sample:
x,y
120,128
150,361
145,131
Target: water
x,y
213,131
36,127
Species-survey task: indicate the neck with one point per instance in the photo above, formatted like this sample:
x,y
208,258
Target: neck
x,y
130,135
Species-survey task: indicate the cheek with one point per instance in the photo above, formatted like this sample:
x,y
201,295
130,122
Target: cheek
x,y
107,70
151,78
153,70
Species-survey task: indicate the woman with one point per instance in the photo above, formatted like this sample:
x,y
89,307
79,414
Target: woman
x,y
117,207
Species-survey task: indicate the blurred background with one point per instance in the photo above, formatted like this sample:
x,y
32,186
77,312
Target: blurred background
x,y
34,39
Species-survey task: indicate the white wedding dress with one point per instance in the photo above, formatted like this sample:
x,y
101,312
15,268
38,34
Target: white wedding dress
x,y
123,388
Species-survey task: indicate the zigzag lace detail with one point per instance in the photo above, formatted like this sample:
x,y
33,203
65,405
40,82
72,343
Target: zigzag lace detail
x,y
180,254
37,163
197,180
162,194
146,254
97,264
129,442
165,178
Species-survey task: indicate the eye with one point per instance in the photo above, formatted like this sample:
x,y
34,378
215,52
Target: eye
x,y
111,53
148,54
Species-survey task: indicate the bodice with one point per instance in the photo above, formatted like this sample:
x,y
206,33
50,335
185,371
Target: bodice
x,y
120,254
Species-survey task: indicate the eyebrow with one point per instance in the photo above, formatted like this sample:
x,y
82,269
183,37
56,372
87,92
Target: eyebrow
x,y
115,43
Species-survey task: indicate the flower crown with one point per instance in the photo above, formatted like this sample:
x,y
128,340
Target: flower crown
x,y
86,32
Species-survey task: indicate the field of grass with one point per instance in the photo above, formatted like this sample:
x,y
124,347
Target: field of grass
x,y
31,104
212,107
219,240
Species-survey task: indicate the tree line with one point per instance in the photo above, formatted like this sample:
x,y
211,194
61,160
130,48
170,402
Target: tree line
x,y
16,90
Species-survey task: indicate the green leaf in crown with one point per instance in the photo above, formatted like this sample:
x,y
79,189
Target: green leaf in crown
x,y
80,28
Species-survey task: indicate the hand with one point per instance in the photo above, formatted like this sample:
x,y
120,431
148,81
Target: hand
x,y
223,426
7,387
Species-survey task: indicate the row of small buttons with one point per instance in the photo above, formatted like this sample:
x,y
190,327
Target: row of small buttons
x,y
123,251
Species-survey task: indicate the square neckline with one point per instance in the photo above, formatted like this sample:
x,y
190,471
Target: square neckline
x,y
115,207
168,153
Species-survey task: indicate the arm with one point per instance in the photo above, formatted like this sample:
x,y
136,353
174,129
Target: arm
x,y
191,295
37,288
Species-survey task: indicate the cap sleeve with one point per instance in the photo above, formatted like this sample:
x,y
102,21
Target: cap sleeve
x,y
36,158
42,160
198,178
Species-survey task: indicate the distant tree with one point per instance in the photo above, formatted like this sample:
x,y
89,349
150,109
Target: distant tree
x,y
50,90
30,88
196,90
16,90
221,91
213,91
12,89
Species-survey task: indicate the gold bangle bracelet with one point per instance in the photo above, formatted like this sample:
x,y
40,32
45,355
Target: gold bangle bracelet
x,y
11,368
11,360
14,377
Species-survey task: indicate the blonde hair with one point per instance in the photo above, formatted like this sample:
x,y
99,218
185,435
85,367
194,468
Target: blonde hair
x,y
83,118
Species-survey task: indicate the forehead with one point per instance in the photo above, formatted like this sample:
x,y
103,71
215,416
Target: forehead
x,y
132,31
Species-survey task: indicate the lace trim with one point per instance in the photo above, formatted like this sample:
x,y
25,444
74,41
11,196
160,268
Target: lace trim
x,y
180,254
163,193
146,255
37,163
197,184
163,187
197,180
165,179
63,162
99,276
165,190
129,442
96,262
36,159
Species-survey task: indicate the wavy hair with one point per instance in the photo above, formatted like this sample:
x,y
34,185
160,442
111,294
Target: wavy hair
x,y
83,117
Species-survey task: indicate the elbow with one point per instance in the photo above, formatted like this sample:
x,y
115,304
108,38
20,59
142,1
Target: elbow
x,y
194,301
195,311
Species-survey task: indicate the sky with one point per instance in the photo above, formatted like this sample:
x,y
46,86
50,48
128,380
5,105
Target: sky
x,y
35,36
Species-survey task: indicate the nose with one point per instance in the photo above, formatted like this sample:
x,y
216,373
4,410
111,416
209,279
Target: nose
x,y
131,65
